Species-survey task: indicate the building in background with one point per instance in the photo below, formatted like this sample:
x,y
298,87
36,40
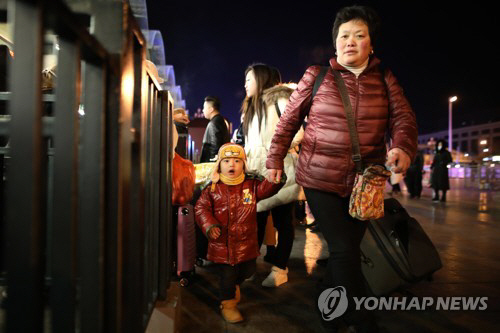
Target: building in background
x,y
478,143
156,53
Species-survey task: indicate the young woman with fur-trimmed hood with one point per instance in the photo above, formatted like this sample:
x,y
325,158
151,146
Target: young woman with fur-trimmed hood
x,y
265,99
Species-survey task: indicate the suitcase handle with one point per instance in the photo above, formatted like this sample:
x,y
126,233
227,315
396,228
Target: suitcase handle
x,y
366,260
394,235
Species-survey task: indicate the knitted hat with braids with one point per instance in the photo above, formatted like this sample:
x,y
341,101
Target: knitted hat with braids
x,y
228,150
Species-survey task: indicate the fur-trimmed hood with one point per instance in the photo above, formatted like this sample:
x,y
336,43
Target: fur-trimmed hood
x,y
273,94
258,140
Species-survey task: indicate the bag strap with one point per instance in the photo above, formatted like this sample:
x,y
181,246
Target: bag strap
x,y
353,133
317,83
319,80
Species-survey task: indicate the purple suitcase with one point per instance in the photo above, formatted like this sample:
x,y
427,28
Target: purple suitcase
x,y
186,243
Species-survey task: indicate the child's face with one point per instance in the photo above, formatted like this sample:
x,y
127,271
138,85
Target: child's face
x,y
231,167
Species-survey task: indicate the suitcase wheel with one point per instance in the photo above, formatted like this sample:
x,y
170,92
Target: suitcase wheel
x,y
184,282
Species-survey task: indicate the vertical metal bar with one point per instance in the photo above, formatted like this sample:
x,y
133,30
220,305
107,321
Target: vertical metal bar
x,y
24,204
108,29
113,228
2,215
90,226
163,217
134,230
63,272
169,211
147,190
156,191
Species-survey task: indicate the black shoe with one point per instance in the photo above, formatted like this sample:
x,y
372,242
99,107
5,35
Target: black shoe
x,y
435,199
322,262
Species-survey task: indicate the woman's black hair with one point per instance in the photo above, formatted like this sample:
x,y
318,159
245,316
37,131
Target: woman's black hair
x,y
265,77
362,13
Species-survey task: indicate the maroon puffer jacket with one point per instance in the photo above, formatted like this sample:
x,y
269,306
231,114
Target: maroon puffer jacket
x,y
233,208
325,158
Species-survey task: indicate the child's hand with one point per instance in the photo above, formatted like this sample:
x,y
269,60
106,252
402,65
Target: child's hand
x,y
214,233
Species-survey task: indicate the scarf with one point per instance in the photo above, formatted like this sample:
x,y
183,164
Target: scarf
x,y
232,181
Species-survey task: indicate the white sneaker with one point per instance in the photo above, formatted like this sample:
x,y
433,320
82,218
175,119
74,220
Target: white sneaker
x,y
276,278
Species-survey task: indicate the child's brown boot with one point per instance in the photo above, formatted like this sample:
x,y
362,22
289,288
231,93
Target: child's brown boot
x,y
230,312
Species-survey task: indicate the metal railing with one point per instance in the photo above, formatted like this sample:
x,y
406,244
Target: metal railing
x,y
86,208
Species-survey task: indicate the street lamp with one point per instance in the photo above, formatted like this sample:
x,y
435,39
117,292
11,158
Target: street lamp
x,y
450,137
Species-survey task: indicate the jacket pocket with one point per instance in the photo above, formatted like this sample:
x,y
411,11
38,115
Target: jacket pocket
x,y
313,150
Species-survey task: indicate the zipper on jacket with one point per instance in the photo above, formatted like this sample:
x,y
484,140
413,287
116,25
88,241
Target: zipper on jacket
x,y
312,153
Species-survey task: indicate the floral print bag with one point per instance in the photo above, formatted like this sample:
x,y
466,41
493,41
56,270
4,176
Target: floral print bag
x,y
367,197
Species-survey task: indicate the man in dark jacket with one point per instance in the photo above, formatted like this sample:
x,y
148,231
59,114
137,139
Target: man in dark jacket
x,y
216,133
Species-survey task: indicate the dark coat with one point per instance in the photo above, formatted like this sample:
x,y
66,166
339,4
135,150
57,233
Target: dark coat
x,y
413,178
325,158
233,208
216,134
439,175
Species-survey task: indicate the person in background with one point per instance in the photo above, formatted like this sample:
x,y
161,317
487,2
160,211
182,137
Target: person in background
x,y
181,121
265,101
439,171
413,178
216,133
227,213
325,168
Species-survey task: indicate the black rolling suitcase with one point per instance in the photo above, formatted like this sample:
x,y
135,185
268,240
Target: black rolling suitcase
x,y
396,251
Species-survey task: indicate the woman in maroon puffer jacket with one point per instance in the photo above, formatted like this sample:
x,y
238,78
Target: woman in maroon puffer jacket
x,y
325,167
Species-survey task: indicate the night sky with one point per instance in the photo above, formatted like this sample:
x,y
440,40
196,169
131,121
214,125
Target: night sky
x,y
435,52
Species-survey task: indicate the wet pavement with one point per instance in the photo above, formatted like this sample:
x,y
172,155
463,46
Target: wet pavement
x,y
465,230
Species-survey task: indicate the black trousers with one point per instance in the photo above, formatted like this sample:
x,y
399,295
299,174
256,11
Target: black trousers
x,y
343,234
283,222
413,182
230,276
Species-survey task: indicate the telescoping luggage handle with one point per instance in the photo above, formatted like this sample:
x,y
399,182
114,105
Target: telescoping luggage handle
x,y
353,133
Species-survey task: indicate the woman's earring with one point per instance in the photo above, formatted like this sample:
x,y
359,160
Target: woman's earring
x,y
371,52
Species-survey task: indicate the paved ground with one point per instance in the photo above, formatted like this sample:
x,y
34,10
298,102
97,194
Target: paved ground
x,y
466,231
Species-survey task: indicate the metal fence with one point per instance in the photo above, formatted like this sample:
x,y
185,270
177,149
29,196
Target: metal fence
x,y
482,177
85,166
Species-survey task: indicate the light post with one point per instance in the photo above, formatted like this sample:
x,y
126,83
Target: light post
x,y
450,137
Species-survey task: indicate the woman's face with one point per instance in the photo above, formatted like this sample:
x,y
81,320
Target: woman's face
x,y
231,167
250,84
353,43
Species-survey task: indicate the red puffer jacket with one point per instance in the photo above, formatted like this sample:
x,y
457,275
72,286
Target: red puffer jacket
x,y
325,158
233,208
